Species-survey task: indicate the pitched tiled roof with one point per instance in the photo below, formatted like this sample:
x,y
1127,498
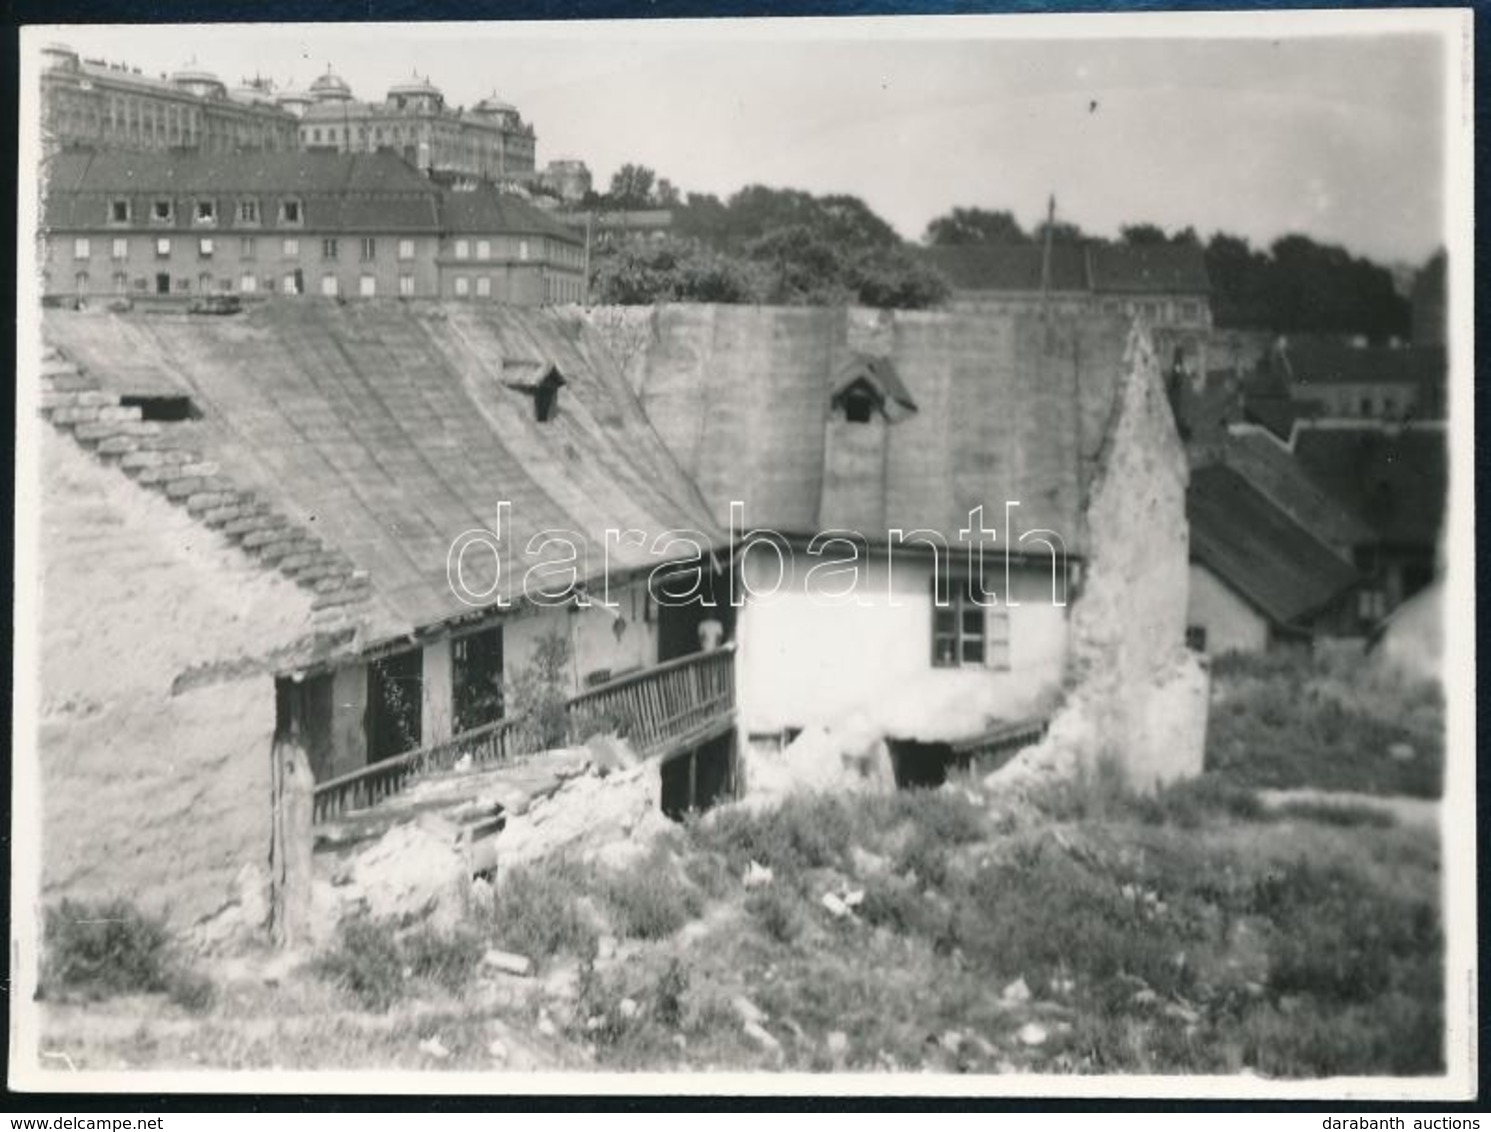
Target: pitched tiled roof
x,y
1159,268
484,210
1259,550
1011,408
1396,479
1275,472
387,430
346,192
1100,268
1314,361
1008,267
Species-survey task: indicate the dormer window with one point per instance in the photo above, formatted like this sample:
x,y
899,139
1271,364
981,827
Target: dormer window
x,y
160,211
868,385
248,212
119,211
206,212
544,388
290,212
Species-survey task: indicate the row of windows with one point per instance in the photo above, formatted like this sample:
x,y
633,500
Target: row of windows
x,y
367,246
203,211
1155,309
484,249
294,283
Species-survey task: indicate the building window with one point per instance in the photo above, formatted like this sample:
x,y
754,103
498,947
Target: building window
x,y
463,249
80,248
463,285
484,287
291,248
522,249
246,247
80,282
163,247
121,283
329,285
329,248
248,212
204,247
395,697
961,627
206,212
406,249
483,249
367,286
248,284
161,211
1196,638
406,285
290,212
369,248
316,135
476,678
119,211
120,249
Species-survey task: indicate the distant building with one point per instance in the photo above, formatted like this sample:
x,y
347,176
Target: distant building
x,y
88,102
1389,383
568,178
490,141
111,106
1166,285
609,226
144,226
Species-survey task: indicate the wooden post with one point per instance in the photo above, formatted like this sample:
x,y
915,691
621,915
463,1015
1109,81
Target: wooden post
x,y
291,844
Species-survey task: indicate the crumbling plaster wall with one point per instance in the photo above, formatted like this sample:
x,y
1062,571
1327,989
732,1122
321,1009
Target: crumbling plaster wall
x,y
158,795
1141,691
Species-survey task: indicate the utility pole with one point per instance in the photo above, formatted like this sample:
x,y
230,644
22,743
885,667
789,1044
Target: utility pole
x,y
1046,252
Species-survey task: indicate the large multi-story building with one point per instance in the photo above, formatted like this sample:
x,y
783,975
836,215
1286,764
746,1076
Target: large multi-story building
x,y
88,102
153,226
490,141
1166,285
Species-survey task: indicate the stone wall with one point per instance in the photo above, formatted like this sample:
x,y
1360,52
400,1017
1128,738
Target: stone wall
x,y
152,788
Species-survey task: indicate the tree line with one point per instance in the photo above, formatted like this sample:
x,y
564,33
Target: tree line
x,y
768,245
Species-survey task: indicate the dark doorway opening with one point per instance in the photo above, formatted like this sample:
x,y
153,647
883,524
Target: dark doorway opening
x,y
162,284
476,678
699,779
678,626
923,765
395,695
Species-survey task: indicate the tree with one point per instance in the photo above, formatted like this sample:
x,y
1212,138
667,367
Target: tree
x,y
1062,232
631,186
1142,235
975,226
672,270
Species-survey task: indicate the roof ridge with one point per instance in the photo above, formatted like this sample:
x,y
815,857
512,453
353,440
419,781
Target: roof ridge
x,y
75,403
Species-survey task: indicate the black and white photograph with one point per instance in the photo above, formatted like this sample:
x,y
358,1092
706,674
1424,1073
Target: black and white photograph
x,y
903,555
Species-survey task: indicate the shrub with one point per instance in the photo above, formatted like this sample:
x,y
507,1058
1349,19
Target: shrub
x,y
536,914
805,831
1190,802
648,900
776,910
105,949
538,696
448,960
366,962
669,991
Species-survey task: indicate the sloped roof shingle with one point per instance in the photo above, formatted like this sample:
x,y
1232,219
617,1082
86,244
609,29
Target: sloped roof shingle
x,y
1259,550
387,430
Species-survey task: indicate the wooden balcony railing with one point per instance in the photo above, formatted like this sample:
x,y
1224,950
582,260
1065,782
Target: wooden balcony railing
x,y
658,710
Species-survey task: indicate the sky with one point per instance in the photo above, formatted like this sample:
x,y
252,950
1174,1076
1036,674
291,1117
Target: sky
x,y
1340,137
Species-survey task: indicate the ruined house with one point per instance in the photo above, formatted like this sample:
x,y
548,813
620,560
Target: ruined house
x,y
259,513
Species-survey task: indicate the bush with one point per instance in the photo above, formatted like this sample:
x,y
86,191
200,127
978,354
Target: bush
x,y
447,960
366,962
649,901
805,831
1191,802
100,950
776,910
536,913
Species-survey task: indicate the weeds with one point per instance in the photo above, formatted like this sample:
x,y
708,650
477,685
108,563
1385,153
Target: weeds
x,y
649,900
536,912
101,950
